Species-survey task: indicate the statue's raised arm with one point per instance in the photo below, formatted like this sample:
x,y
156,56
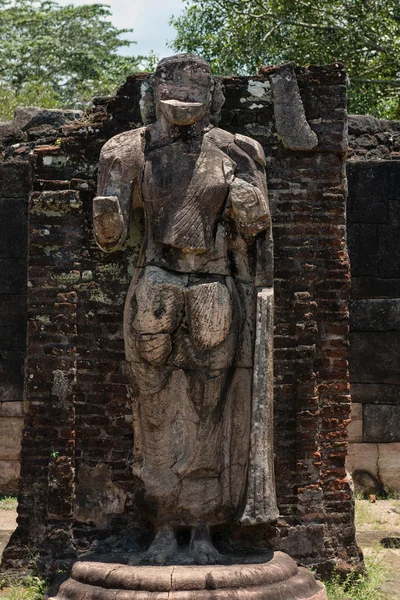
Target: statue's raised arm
x,y
118,188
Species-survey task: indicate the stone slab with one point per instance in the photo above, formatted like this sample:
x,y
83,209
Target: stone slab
x,y
389,466
10,437
9,475
382,423
375,314
13,316
362,239
13,275
290,118
374,357
375,393
11,409
14,180
355,427
389,250
11,375
14,237
363,457
371,186
375,287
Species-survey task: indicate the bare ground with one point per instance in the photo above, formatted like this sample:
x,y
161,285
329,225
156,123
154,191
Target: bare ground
x,y
378,534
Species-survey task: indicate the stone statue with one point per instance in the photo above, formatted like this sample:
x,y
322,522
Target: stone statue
x,y
198,321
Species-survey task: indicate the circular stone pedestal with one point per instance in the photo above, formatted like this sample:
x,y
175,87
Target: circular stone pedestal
x,y
276,579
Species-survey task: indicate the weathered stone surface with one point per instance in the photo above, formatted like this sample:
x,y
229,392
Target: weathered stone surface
x,y
374,287
261,503
355,427
389,466
14,239
10,437
381,423
372,187
375,314
13,276
183,324
375,393
388,249
363,249
96,495
15,181
12,374
279,577
11,409
374,357
362,463
13,322
290,119
30,117
9,475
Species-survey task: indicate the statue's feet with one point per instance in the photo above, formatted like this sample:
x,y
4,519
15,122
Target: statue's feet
x,y
163,547
202,549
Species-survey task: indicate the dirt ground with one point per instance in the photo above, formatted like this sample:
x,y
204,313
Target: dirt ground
x,y
8,522
378,533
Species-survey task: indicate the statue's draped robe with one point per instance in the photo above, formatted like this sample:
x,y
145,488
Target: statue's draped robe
x,y
203,437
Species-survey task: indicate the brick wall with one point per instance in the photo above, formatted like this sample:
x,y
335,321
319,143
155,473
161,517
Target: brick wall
x,y
77,492
373,238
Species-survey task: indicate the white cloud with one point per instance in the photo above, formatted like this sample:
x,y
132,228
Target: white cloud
x,y
148,18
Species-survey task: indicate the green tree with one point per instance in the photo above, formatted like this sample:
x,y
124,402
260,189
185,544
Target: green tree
x,y
53,55
237,36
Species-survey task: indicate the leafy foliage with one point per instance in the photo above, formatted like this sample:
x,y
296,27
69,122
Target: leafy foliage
x,y
53,55
237,36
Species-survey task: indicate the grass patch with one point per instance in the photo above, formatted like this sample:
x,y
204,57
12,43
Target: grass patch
x,y
360,586
8,503
29,588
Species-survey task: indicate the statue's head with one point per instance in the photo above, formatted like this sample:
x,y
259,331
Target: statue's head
x,y
182,91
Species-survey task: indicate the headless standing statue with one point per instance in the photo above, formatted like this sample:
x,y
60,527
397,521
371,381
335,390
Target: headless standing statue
x,y
199,311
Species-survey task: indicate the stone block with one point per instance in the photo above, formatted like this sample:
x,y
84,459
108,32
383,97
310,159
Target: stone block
x,y
375,314
362,463
11,375
13,275
362,242
389,250
381,423
14,180
10,437
362,457
371,187
355,427
389,466
375,287
375,393
11,409
374,357
290,119
13,326
9,475
14,236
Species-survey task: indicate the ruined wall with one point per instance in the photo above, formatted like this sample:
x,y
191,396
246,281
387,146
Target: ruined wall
x,y
76,488
373,238
30,125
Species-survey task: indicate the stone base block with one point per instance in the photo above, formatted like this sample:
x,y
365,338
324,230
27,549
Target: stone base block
x,y
276,579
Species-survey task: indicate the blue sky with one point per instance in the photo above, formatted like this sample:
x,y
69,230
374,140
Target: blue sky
x,y
148,18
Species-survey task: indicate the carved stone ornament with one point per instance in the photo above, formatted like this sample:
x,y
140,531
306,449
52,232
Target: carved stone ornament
x,y
198,323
